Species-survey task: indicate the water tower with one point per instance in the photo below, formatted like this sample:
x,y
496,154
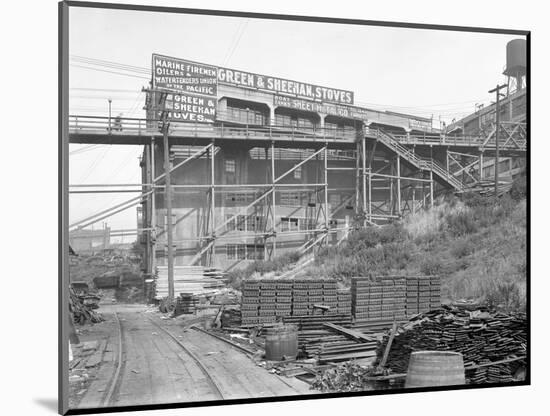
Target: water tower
x,y
516,64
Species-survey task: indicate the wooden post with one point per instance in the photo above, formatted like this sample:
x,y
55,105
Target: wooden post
x,y
168,202
431,189
326,189
273,228
364,175
212,203
153,210
398,185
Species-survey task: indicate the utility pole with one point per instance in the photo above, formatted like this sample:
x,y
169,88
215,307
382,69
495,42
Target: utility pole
x,y
110,101
497,121
168,199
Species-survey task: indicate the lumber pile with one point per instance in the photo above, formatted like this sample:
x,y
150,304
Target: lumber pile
x,y
82,308
188,279
482,337
230,318
267,301
186,303
376,303
327,338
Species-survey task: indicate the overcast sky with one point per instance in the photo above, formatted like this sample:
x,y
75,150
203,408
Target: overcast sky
x,y
423,72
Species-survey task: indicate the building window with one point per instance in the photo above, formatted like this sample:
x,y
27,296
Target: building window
x,y
289,224
236,198
334,200
230,166
290,198
298,173
236,251
255,223
255,252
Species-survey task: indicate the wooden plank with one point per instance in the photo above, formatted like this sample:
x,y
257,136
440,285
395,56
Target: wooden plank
x,y
350,332
388,346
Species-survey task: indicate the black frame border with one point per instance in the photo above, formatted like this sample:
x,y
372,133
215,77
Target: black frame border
x,y
63,160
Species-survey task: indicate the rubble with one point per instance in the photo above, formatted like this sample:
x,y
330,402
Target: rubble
x,y
82,307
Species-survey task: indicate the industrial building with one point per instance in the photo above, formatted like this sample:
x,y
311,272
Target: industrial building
x,y
260,165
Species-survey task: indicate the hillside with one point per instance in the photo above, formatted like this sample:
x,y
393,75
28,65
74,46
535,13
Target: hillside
x,y
476,244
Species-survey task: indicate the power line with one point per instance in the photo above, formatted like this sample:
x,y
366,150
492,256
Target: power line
x,y
237,43
111,72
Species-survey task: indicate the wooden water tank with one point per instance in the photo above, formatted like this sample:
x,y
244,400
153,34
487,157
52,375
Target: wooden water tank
x,y
435,368
281,342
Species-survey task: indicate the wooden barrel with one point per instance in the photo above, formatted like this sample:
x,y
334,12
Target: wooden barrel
x,y
281,342
435,368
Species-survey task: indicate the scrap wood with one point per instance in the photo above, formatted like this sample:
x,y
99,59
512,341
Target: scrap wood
x,y
81,310
388,345
344,378
482,337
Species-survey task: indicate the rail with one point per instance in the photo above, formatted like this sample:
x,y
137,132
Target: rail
x,y
415,160
512,135
141,127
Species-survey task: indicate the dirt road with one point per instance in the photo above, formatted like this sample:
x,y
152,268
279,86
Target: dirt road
x,y
163,362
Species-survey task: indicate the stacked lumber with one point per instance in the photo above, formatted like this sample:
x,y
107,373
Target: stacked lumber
x,y
480,336
230,318
263,301
188,279
381,299
267,301
328,338
186,303
423,294
378,302
82,308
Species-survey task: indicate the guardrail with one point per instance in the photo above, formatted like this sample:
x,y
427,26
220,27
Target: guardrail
x,y
142,127
513,134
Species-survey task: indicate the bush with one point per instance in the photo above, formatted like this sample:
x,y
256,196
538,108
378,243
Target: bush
x,y
431,266
461,223
519,188
461,248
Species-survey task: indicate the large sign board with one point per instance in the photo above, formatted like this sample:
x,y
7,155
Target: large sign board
x,y
285,86
185,76
197,78
190,108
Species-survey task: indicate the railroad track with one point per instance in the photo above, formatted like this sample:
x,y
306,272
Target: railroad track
x,y
111,396
115,380
215,387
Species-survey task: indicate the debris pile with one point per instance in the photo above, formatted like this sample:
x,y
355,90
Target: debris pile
x,y
344,378
482,337
82,307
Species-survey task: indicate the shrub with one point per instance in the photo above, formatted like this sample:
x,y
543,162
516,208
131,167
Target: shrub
x,y
431,266
461,248
461,223
519,188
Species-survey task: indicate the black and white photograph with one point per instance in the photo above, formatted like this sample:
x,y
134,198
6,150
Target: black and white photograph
x,y
260,207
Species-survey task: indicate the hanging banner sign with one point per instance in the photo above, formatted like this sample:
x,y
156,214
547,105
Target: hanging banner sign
x,y
284,86
186,76
190,108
